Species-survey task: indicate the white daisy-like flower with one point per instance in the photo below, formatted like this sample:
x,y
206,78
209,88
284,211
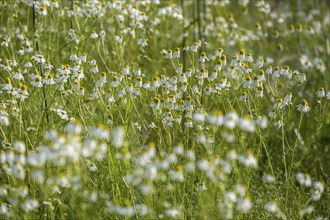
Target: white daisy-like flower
x,y
303,107
320,93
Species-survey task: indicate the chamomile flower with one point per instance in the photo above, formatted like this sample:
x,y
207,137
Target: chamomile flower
x,y
48,80
215,118
203,58
218,52
260,91
37,82
320,93
223,59
114,83
269,70
4,120
260,63
178,70
194,47
247,82
246,124
303,107
271,207
218,66
248,58
176,53
244,204
288,99
169,54
243,97
7,85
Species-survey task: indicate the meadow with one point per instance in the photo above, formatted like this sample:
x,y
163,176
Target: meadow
x,y
165,109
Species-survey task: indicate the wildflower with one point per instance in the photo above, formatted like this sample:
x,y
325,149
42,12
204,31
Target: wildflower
x,y
82,58
278,104
260,63
247,82
172,87
37,82
241,55
261,75
48,66
147,85
303,107
101,80
176,53
304,179
138,82
231,120
156,81
156,103
29,205
21,50
271,207
169,54
199,115
277,72
173,212
7,85
288,99
255,82
268,178
218,52
302,78
234,61
4,120
214,75
62,114
94,68
269,70
48,80
218,66
23,94
117,135
188,72
203,58
143,42
38,58
248,58
126,70
223,58
307,210
152,125
138,72
114,83
215,118
260,90
94,35
230,196
320,93
317,191
262,121
178,70
243,97
194,47
246,124
244,204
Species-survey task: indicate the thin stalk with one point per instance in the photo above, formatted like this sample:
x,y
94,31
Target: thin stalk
x,y
45,107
